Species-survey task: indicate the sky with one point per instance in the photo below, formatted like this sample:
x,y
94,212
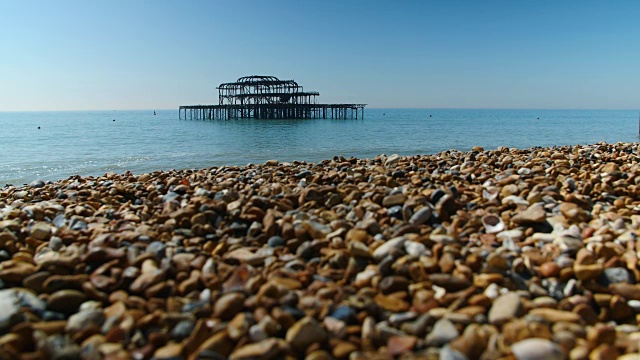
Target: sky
x,y
159,54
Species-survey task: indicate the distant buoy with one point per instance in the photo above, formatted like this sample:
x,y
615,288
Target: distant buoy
x,y
429,115
114,119
38,127
538,118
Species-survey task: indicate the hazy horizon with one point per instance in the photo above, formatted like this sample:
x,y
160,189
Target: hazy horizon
x,y
133,55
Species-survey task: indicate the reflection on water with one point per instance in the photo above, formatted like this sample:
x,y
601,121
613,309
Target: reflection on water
x,y
91,143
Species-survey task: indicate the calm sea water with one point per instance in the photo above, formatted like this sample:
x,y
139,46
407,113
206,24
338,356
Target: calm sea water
x,y
91,143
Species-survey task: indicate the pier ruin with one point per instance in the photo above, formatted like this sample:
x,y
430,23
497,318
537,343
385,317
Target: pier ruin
x,y
267,97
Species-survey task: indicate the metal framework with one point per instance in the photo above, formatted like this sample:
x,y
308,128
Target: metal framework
x,y
267,97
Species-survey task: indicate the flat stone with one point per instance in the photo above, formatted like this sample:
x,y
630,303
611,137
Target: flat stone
x,y
537,349
245,256
66,301
615,275
390,303
533,215
275,241
228,305
627,291
449,353
41,230
553,315
183,329
383,250
421,216
393,200
342,350
84,320
398,345
573,213
16,271
11,313
239,326
170,351
305,332
505,308
262,350
588,272
442,333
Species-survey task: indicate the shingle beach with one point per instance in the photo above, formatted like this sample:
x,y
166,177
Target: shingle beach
x,y
486,254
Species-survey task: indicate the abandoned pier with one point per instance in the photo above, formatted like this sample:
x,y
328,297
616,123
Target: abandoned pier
x,y
267,97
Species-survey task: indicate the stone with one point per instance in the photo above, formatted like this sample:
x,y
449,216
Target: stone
x,y
239,326
343,349
442,333
390,303
505,308
492,224
588,272
305,332
553,315
66,301
421,216
573,213
393,200
183,329
228,306
40,230
537,349
398,345
604,352
614,275
84,320
170,351
262,350
36,184
15,272
533,215
275,241
627,291
549,269
11,313
383,250
392,160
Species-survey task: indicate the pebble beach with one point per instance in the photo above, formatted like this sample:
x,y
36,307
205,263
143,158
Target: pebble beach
x,y
488,254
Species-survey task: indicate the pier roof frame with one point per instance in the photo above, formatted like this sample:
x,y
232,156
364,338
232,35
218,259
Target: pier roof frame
x,y
259,80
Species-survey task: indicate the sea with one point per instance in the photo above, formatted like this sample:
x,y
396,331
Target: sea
x,y
57,145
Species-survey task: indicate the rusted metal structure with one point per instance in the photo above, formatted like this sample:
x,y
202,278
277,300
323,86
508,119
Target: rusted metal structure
x,y
267,97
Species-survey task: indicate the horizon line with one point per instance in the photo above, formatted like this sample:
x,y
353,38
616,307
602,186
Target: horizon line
x,y
375,108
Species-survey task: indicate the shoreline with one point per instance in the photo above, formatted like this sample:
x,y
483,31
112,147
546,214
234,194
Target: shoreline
x,y
461,255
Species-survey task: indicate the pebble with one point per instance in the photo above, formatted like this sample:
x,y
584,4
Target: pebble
x,y
10,305
276,241
442,333
305,332
85,320
66,301
37,184
262,350
615,275
344,258
383,250
537,349
505,307
532,215
421,216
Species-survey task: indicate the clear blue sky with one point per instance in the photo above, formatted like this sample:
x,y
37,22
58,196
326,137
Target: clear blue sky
x,y
156,54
